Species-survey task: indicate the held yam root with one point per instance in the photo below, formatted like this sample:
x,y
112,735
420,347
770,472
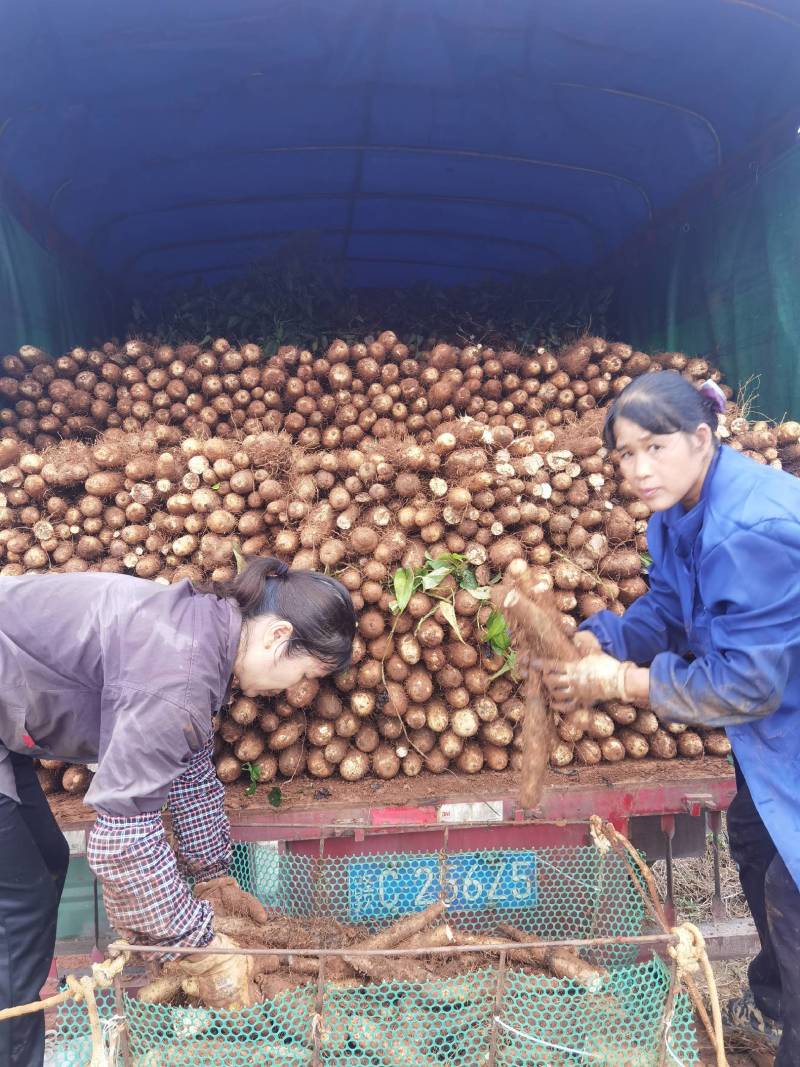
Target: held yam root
x,y
532,616
537,741
228,899
164,990
535,624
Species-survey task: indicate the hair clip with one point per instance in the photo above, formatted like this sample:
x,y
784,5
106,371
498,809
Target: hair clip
x,y
712,392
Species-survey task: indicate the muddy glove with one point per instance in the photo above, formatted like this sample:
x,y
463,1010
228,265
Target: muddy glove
x,y
585,682
227,898
217,981
586,642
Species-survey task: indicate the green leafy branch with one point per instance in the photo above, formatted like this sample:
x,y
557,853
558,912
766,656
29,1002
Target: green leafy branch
x,y
253,771
498,637
428,579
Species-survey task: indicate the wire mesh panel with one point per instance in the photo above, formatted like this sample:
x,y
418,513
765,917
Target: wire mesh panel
x,y
73,1046
440,1023
277,1032
474,1010
558,1022
554,893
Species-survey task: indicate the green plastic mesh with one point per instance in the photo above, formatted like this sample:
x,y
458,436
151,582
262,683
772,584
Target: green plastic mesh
x,y
554,893
484,1016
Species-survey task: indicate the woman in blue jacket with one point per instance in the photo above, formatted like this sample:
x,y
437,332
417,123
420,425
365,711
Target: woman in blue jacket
x,y
716,642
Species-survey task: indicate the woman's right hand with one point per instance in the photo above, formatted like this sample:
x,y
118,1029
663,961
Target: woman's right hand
x,y
586,682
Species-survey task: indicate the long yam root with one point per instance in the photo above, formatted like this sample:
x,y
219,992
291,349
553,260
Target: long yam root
x,y
535,622
537,742
160,991
335,966
562,962
399,932
533,617
407,927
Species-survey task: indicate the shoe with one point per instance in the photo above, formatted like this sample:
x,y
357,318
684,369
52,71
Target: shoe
x,y
743,1017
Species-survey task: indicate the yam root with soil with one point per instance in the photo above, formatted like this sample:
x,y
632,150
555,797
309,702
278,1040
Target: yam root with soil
x,y
281,973
365,460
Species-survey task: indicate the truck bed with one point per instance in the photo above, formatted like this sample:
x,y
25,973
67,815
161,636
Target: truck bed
x,y
309,808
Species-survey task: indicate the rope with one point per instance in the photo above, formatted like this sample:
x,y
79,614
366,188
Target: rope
x,y
104,1033
599,839
691,956
689,951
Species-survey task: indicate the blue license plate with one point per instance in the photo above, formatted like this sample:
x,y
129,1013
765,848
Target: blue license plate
x,y
387,886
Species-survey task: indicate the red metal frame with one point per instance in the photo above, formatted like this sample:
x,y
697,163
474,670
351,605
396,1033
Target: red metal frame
x,y
561,807
478,821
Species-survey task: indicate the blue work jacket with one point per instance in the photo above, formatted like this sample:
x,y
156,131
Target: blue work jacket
x,y
725,590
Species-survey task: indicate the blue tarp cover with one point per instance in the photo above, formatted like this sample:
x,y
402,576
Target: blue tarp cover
x,y
419,139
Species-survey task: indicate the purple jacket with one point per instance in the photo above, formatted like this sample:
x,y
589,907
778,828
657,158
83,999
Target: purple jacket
x,y
113,670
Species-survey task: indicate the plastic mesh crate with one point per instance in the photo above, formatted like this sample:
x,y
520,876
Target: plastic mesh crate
x,y
488,1016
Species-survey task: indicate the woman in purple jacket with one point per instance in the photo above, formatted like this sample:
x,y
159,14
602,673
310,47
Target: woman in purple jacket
x,y
127,674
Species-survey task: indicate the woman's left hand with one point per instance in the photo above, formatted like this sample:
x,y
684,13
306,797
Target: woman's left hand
x,y
585,682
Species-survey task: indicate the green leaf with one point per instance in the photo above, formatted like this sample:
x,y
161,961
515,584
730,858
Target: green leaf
x,y
275,796
216,486
468,580
403,585
449,613
497,633
448,559
481,592
509,665
434,577
254,772
495,626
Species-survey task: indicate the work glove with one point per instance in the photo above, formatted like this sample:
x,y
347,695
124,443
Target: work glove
x,y
219,981
586,642
227,898
591,680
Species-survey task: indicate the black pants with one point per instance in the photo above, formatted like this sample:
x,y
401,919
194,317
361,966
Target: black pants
x,y
774,901
33,865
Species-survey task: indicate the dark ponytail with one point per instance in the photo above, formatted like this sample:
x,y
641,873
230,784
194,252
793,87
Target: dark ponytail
x,y
318,607
665,402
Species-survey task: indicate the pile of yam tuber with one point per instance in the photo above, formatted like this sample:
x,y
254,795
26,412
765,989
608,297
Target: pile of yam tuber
x,y
277,974
418,478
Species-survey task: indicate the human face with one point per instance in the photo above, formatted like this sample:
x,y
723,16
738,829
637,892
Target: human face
x,y
663,469
262,667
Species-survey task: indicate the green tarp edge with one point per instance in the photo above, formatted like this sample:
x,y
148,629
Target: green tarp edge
x,y
725,283
45,300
